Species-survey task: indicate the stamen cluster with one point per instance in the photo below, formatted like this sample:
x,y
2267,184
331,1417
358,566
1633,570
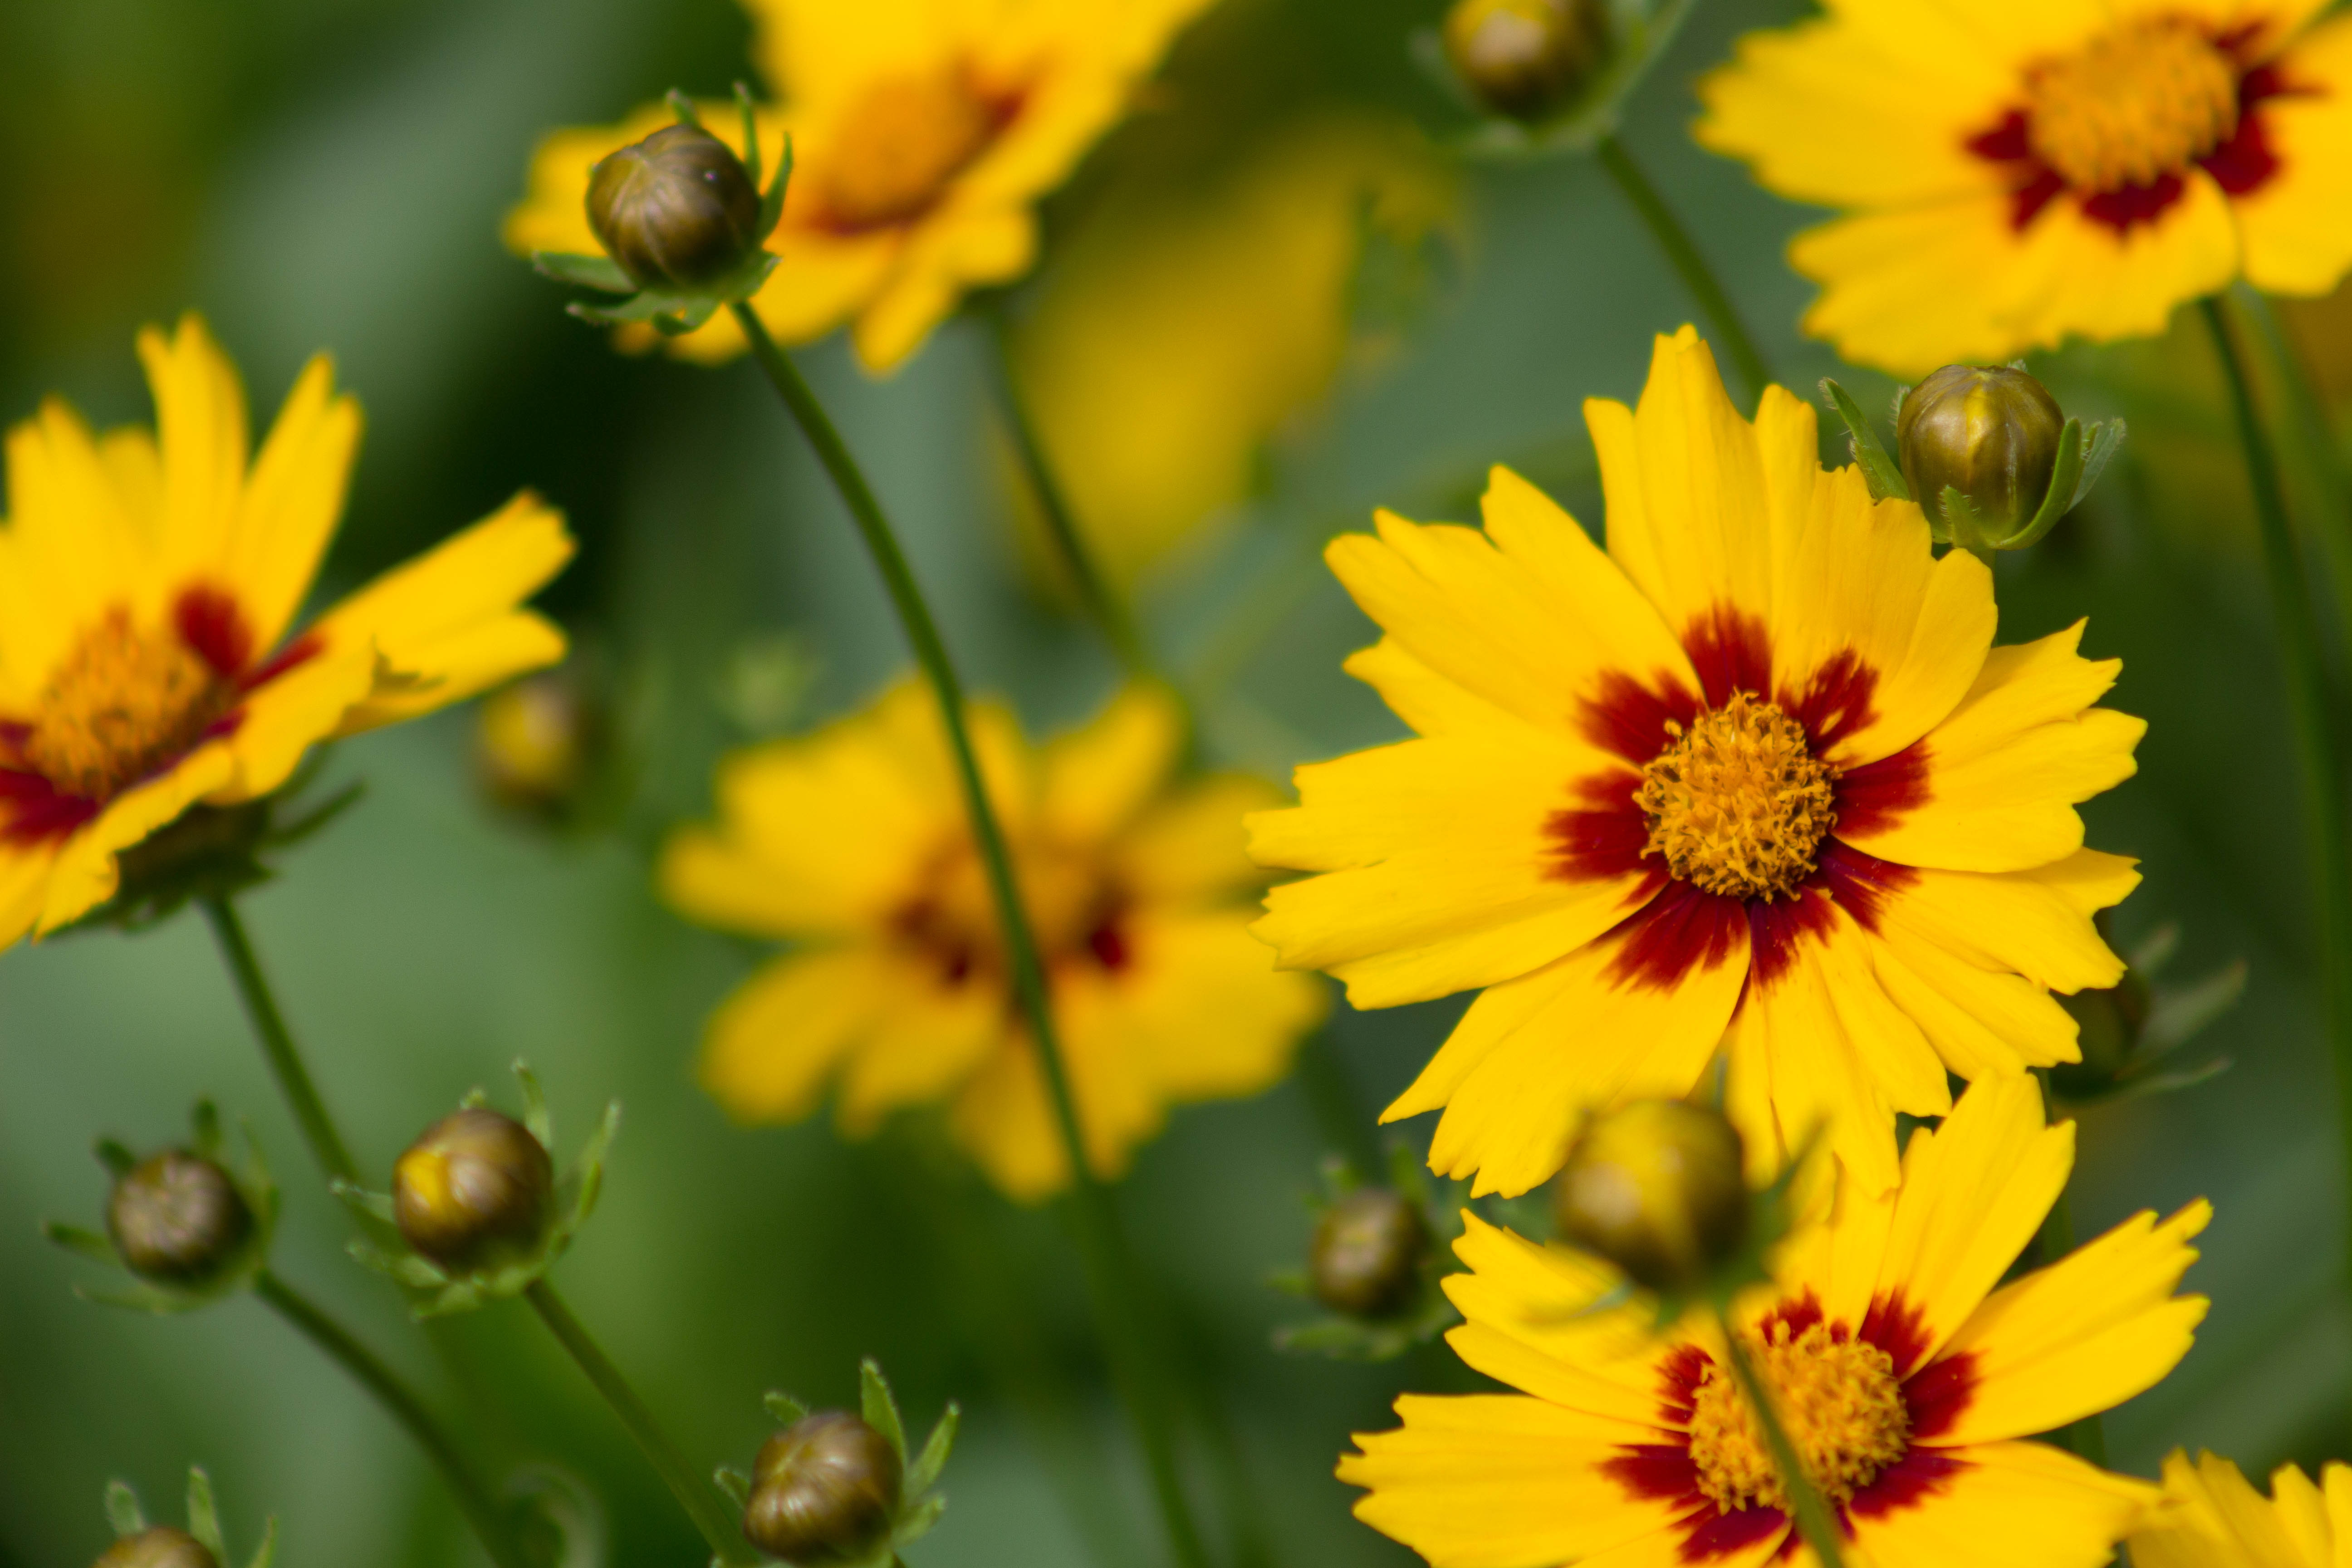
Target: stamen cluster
x,y
2139,102
1738,803
121,704
1838,1399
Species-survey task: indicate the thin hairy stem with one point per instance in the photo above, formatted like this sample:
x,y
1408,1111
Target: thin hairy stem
x,y
1110,1270
1683,251
284,1057
1814,1520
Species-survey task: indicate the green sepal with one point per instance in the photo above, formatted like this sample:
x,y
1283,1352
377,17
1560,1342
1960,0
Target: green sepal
x,y
1961,520
266,1555
368,1206
534,1105
925,1472
600,272
123,1510
154,1300
2066,481
784,1407
734,1484
2106,437
686,321
642,306
683,107
204,1124
880,1408
750,134
117,1159
87,1243
918,1522
203,1515
1879,472
771,205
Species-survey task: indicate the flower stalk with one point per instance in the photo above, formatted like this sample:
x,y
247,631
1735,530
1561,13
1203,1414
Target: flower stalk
x,y
1119,1302
1814,1520
284,1057
1684,253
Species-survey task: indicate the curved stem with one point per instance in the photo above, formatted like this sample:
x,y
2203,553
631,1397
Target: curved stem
x,y
695,1495
1696,276
1814,1520
2315,432
2316,745
1102,1244
474,1498
327,1145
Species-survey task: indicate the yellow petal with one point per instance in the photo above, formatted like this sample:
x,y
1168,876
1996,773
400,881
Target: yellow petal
x,y
292,502
2292,225
773,1046
925,1041
2036,924
1095,779
200,427
284,717
2211,1516
2010,1502
1983,1023
1203,1012
1190,844
84,874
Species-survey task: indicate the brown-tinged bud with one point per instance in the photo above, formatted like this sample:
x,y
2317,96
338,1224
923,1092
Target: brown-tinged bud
x,y
1656,1187
1990,433
1368,1252
532,740
677,210
162,1547
824,1489
177,1219
476,1191
1525,58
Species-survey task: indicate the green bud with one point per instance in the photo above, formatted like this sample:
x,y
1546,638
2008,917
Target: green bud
x,y
476,1191
677,210
162,1547
1367,1253
1658,1188
1525,58
824,1489
534,740
1990,433
176,1218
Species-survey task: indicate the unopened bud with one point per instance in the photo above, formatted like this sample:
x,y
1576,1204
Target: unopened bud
x,y
1657,1189
824,1489
1990,433
1368,1252
473,1192
675,210
532,740
1525,58
162,1547
176,1218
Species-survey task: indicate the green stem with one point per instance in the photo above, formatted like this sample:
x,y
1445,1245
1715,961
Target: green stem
x,y
1696,276
2314,431
1814,1520
1102,1244
474,1498
695,1495
1101,600
1347,1130
327,1145
2317,750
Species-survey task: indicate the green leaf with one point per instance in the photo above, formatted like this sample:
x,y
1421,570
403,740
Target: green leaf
x,y
2066,478
881,1406
784,1407
925,1474
123,1510
734,1483
681,106
599,272
1879,472
2157,1083
2155,950
534,1106
203,1517
90,1244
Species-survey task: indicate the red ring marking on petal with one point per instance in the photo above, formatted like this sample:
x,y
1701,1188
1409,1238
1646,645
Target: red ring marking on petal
x,y
38,812
1907,1482
301,650
1939,1393
1837,702
1684,929
211,623
1878,796
1731,652
1861,883
1628,719
1897,1327
1601,837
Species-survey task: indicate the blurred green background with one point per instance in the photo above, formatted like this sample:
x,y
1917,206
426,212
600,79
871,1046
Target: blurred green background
x,y
330,173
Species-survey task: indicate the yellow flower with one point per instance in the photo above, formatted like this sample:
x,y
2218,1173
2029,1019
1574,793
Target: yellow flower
x,y
148,584
1176,332
852,843
923,133
1906,1380
2016,172
2210,1518
1757,767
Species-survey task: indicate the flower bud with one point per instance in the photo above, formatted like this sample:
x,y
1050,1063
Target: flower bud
x,y
176,1218
824,1489
162,1547
533,741
1657,1189
473,1192
675,210
1990,433
1367,1253
1525,58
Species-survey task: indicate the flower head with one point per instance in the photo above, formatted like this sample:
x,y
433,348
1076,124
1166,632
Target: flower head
x,y
2211,1518
1907,1380
149,586
852,843
922,136
1756,769
2012,173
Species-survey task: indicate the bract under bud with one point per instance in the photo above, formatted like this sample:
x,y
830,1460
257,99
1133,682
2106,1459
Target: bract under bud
x,y
1368,1252
162,1547
677,210
477,1190
176,1218
1657,1187
1990,433
825,1489
1525,58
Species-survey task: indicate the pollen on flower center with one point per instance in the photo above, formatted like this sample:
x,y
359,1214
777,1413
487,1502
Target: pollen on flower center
x,y
1738,803
951,918
2140,102
121,704
898,147
1837,1397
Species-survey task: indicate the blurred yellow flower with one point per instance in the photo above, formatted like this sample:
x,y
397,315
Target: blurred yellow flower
x,y
1179,330
148,582
852,843
1908,1381
2015,172
923,133
2211,1518
1753,778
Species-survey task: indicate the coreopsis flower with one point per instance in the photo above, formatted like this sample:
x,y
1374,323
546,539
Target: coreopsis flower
x,y
1907,1380
149,585
852,843
923,134
2014,174
1757,768
2213,1517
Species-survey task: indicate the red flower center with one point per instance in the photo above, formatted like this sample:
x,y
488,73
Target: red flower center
x,y
123,702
